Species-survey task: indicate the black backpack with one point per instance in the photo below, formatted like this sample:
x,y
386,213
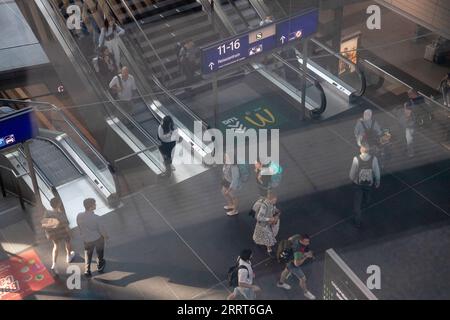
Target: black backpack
x,y
233,275
285,253
369,138
365,172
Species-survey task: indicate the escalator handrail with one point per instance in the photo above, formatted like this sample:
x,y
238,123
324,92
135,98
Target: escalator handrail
x,y
357,66
64,153
405,84
161,86
86,67
38,171
17,176
63,116
323,98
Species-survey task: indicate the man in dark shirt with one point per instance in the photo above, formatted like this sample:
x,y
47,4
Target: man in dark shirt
x,y
301,252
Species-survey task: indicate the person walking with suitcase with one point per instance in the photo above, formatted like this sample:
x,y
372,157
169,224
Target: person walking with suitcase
x,y
365,174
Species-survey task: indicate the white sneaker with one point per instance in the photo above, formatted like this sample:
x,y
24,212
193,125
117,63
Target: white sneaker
x,y
283,285
310,296
70,257
228,207
53,266
232,213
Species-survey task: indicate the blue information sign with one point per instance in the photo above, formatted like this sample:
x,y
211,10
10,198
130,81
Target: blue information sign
x,y
17,127
255,42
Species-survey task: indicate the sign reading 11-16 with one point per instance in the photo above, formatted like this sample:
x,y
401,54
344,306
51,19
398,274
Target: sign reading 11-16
x,y
255,42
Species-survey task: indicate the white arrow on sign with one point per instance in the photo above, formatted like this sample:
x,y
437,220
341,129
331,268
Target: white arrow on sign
x,y
283,38
211,65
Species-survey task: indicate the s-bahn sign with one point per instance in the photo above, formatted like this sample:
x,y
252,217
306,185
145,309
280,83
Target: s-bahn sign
x,y
230,51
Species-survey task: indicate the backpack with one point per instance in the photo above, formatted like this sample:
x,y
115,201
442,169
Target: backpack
x,y
365,172
233,275
244,172
285,253
369,137
256,206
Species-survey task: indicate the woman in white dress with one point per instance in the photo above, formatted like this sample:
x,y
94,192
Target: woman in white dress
x,y
109,37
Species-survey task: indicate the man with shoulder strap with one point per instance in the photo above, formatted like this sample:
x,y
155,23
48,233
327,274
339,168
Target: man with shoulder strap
x,y
365,174
367,130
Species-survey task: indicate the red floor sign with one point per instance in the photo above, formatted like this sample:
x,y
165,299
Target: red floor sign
x,y
22,275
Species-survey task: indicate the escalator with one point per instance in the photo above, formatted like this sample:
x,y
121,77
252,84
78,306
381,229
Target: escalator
x,y
340,92
65,163
157,30
136,123
53,163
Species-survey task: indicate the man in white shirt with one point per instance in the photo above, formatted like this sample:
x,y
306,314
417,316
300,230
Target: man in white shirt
x,y
245,289
93,234
124,85
365,174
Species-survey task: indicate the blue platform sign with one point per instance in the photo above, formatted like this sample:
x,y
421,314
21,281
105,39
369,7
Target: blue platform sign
x,y
17,127
230,51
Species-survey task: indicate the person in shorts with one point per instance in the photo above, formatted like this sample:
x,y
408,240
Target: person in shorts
x,y
57,230
301,254
230,185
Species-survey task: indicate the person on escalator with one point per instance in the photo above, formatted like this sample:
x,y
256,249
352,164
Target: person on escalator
x,y
56,227
168,136
109,37
124,86
187,62
106,66
267,20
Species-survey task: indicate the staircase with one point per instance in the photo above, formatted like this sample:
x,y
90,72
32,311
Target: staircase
x,y
247,11
165,23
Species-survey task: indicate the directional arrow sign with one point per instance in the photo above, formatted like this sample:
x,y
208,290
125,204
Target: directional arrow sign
x,y
211,65
283,38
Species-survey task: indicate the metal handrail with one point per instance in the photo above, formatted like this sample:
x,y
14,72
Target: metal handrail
x,y
63,116
38,170
88,69
405,84
62,151
16,184
145,36
360,72
17,176
323,98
